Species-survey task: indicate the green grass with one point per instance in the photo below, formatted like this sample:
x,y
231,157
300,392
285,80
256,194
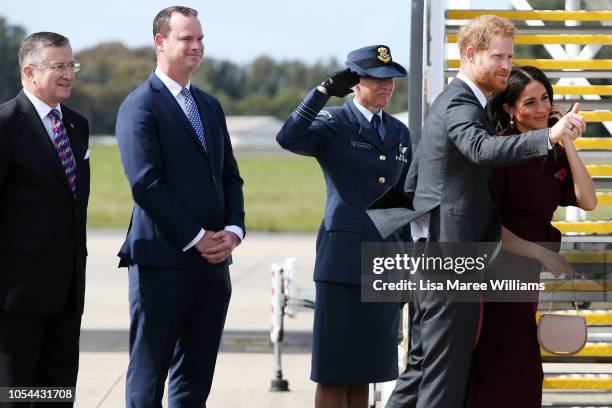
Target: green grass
x,y
110,200
282,193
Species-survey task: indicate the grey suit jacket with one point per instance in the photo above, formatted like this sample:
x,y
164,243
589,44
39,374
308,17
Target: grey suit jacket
x,y
449,175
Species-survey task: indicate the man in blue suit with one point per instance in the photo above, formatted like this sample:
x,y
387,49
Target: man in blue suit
x,y
362,151
188,217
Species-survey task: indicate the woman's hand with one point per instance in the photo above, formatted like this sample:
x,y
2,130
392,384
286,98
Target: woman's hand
x,y
572,124
553,262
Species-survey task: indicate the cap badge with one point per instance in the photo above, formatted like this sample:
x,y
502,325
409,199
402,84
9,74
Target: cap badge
x,y
383,55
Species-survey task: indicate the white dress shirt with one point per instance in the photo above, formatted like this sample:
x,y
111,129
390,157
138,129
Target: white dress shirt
x,y
175,89
43,112
369,115
477,91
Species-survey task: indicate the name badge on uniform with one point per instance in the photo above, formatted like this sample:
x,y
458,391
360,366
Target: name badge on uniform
x,y
402,153
360,145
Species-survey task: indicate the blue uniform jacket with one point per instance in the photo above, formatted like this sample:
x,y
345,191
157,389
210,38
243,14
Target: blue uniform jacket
x,y
357,166
177,187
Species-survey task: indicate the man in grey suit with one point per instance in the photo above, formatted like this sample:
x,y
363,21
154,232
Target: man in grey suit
x,y
447,199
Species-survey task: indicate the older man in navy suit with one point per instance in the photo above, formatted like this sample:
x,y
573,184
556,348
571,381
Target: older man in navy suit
x,y
188,217
44,191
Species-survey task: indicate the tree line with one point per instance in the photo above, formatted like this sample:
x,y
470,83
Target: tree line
x,y
262,87
110,71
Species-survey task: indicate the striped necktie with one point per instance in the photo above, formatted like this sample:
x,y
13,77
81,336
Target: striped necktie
x,y
63,149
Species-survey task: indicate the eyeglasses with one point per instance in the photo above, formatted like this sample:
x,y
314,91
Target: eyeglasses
x,y
73,67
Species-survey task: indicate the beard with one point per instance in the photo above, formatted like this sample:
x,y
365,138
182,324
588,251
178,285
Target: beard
x,y
489,81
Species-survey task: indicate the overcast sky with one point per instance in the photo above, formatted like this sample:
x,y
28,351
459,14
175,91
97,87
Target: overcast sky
x,y
239,30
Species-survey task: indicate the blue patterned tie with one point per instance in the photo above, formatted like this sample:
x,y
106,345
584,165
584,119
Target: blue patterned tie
x,y
63,149
194,117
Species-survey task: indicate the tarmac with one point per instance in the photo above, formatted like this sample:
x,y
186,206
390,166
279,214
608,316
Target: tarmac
x,y
245,365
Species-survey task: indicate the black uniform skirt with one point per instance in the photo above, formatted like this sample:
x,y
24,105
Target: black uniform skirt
x,y
353,342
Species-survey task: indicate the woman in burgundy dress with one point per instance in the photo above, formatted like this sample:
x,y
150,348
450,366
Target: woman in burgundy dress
x,y
506,365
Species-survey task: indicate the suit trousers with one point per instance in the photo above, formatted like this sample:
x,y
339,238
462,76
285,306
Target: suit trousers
x,y
177,318
443,333
442,337
39,351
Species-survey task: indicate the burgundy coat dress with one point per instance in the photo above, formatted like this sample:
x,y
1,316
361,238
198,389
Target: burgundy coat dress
x,y
506,368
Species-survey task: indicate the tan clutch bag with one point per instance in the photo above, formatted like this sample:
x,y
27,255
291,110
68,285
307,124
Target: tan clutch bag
x,y
562,334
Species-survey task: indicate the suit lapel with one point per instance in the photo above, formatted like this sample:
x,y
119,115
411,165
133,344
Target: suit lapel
x,y
392,133
170,104
489,119
78,149
485,112
366,131
207,117
34,126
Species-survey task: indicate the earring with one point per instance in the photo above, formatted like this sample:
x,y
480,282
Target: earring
x,y
511,123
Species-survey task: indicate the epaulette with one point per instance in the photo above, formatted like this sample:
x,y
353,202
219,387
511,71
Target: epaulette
x,y
325,115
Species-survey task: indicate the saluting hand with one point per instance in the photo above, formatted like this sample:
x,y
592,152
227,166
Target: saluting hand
x,y
572,124
340,83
